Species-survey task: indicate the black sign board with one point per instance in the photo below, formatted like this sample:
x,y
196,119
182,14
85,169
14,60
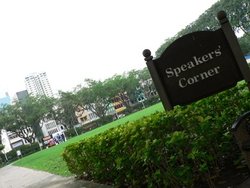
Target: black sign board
x,y
198,65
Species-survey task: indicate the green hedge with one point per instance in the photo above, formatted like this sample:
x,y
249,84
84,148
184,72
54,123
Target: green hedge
x,y
69,133
183,147
25,150
88,126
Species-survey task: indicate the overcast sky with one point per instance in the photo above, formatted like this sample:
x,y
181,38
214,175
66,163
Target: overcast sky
x,y
73,40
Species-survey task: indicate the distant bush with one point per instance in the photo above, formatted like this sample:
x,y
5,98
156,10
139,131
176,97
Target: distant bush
x,y
104,120
140,105
1,162
29,149
1,147
25,150
183,147
88,126
69,133
151,101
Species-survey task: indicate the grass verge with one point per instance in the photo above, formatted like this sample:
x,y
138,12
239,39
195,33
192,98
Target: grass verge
x,y
50,160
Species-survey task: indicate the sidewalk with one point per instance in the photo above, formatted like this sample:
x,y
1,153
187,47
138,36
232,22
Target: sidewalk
x,y
19,177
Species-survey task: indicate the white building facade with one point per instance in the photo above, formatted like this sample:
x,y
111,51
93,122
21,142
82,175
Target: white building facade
x,y
50,128
10,140
37,84
85,116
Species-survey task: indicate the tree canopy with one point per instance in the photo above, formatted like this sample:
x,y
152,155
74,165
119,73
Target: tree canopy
x,y
96,97
237,13
24,118
65,109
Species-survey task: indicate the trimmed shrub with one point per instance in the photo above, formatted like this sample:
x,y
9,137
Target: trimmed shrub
x,y
88,126
104,120
187,146
80,130
69,133
25,150
151,101
29,149
1,147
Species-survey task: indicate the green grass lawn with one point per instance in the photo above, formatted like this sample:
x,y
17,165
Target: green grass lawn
x,y
50,160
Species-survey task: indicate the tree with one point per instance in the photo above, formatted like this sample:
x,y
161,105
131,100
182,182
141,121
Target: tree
x,y
96,97
12,119
245,44
24,118
162,48
237,13
1,147
65,109
146,83
124,86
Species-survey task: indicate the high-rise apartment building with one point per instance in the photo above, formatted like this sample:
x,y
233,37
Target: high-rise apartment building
x,y
37,84
22,95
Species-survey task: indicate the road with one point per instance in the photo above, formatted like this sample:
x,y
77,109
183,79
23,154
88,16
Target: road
x,y
19,177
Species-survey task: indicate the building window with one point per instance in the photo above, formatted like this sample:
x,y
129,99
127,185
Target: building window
x,y
12,136
17,144
52,131
50,125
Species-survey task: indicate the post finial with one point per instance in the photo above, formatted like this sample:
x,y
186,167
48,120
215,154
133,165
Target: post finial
x,y
222,17
147,54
